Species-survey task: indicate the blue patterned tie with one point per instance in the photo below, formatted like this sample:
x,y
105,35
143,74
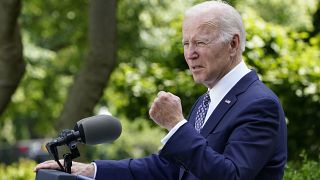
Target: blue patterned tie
x,y
202,111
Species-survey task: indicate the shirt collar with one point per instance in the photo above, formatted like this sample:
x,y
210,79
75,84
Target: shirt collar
x,y
225,84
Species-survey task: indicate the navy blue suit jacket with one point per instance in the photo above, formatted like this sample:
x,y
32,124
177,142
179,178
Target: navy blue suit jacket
x,y
244,138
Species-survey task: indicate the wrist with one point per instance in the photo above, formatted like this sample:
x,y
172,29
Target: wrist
x,y
169,128
91,169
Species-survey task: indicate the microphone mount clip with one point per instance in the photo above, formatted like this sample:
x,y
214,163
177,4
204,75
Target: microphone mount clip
x,y
64,138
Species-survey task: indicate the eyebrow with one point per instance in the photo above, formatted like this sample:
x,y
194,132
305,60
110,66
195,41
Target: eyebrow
x,y
204,39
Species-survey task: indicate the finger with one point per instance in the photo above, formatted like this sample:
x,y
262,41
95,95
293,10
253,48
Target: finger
x,y
42,166
169,93
160,93
47,165
74,171
152,111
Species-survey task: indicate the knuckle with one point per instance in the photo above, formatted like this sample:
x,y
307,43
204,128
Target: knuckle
x,y
151,111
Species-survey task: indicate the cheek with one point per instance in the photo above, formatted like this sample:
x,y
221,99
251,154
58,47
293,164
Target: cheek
x,y
185,53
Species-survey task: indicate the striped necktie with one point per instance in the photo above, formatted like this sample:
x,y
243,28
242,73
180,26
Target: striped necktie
x,y
202,111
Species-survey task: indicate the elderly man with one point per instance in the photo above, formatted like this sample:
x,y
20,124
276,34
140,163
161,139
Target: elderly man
x,y
236,130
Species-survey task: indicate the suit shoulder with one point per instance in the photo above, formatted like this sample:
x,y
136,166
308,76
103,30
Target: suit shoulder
x,y
258,90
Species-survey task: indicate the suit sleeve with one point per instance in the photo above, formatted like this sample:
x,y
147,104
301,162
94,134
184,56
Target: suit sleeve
x,y
152,167
249,145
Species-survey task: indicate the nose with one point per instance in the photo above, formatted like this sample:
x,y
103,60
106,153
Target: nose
x,y
191,52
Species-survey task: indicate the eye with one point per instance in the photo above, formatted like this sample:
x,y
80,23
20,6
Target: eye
x,y
200,43
185,44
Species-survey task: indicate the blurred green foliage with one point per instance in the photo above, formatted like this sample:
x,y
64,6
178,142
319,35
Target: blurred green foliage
x,y
290,66
135,85
290,13
138,139
305,169
150,57
22,170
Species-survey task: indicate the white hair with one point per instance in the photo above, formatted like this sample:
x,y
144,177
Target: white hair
x,y
229,20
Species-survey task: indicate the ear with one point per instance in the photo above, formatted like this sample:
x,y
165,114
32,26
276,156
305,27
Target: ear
x,y
234,45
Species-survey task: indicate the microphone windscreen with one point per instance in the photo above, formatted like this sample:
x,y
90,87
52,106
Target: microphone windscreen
x,y
99,129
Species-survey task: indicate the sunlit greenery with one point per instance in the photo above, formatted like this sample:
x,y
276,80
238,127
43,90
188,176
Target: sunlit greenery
x,y
22,170
305,169
281,45
138,139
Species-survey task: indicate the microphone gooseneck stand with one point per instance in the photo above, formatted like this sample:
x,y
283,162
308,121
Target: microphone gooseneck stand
x,y
68,157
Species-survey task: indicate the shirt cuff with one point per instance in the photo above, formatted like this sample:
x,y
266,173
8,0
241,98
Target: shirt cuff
x,y
172,131
95,169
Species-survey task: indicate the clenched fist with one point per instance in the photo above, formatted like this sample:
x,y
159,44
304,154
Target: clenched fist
x,y
166,110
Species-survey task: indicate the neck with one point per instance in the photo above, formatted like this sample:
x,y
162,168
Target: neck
x,y
234,61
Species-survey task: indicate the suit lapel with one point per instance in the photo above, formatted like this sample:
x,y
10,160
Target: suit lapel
x,y
227,102
217,114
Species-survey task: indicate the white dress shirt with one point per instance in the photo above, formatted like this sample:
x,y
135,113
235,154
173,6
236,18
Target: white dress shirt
x,y
217,93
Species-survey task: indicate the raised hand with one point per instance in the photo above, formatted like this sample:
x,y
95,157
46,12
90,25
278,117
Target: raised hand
x,y
166,110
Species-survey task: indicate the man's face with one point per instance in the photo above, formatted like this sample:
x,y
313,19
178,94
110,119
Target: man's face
x,y
207,56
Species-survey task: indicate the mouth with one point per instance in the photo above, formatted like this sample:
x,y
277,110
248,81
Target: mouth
x,y
196,67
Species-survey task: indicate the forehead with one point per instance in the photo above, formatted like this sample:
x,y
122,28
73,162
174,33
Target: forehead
x,y
196,26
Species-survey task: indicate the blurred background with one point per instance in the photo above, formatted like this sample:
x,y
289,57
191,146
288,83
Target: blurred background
x,y
61,61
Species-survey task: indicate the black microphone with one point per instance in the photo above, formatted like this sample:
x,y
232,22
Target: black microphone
x,y
99,129
92,130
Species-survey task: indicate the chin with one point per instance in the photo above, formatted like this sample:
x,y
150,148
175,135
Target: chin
x,y
198,80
